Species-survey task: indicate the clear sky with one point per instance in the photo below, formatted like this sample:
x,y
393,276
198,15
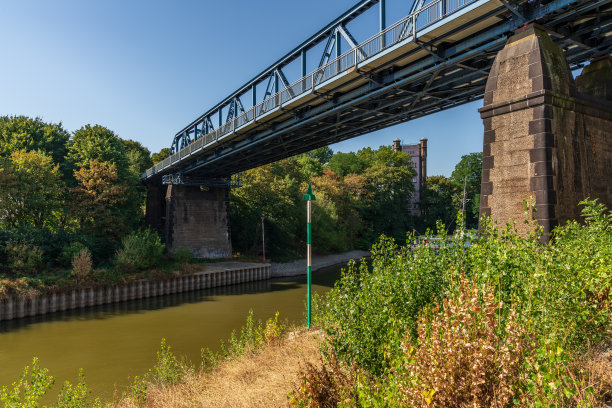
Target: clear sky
x,y
145,69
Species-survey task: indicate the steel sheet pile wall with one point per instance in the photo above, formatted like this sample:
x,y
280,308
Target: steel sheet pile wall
x,y
15,307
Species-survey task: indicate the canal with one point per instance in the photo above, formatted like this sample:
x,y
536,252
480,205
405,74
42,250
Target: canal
x,y
113,343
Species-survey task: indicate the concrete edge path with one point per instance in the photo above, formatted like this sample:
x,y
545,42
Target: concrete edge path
x,y
296,268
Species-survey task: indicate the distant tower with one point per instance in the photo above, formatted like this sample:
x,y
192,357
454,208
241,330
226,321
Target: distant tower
x,y
418,153
397,145
423,174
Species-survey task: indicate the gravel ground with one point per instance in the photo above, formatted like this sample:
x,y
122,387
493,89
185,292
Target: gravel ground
x,y
318,262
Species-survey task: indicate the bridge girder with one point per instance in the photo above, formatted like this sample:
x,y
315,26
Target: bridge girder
x,y
448,76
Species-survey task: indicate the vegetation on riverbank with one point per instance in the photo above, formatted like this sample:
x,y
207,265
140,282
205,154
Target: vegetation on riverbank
x,y
494,321
71,206
506,321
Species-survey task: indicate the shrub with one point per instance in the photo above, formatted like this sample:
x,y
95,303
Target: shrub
x,y
27,392
168,370
35,382
76,396
183,255
24,258
140,250
328,386
367,313
558,292
467,356
81,266
69,252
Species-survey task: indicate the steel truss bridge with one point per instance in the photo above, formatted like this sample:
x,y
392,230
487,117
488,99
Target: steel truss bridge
x,y
435,58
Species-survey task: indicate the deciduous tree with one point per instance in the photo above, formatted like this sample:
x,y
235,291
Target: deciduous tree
x,y
138,156
24,133
100,202
468,172
30,190
100,144
161,155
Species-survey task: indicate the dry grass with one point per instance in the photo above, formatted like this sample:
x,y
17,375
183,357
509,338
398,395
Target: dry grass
x,y
257,380
598,366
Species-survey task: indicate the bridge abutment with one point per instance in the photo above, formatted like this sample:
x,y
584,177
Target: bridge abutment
x,y
192,217
543,137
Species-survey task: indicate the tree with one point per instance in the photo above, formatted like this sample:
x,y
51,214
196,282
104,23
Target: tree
x,y
335,213
30,190
138,156
312,163
97,143
468,172
389,189
101,201
437,203
23,133
271,191
322,154
346,163
161,155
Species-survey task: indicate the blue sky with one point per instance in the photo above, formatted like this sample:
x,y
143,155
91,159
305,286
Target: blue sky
x,y
145,69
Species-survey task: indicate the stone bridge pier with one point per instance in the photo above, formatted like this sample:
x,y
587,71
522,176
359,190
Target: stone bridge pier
x,y
192,217
546,135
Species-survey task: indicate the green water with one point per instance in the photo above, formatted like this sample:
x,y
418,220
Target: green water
x,y
114,343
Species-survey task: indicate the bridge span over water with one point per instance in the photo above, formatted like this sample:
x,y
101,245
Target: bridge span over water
x,y
443,54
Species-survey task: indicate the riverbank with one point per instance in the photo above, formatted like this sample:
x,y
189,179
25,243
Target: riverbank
x,y
296,268
208,276
260,379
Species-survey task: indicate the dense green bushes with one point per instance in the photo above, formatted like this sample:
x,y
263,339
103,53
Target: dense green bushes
x,y
140,250
537,308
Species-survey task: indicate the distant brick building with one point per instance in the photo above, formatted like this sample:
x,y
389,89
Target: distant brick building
x,y
418,153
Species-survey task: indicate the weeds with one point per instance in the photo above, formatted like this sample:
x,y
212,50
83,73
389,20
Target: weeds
x,y
82,266
467,356
35,382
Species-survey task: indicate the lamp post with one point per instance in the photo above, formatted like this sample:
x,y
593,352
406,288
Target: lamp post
x,y
309,197
263,239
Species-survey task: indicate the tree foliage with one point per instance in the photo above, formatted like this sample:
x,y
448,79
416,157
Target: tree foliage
x,y
468,173
100,144
58,193
24,133
138,157
437,202
100,202
350,209
161,155
30,190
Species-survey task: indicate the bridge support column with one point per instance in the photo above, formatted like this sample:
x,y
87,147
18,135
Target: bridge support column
x,y
543,138
197,218
155,213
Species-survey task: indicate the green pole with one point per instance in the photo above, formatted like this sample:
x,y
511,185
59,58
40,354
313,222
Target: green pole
x,y
309,197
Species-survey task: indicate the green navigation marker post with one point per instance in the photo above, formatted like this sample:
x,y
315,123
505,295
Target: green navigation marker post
x,y
309,197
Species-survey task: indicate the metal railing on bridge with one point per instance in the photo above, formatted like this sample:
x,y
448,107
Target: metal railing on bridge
x,y
405,29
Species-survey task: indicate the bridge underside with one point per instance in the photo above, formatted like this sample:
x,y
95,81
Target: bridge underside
x,y
440,73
